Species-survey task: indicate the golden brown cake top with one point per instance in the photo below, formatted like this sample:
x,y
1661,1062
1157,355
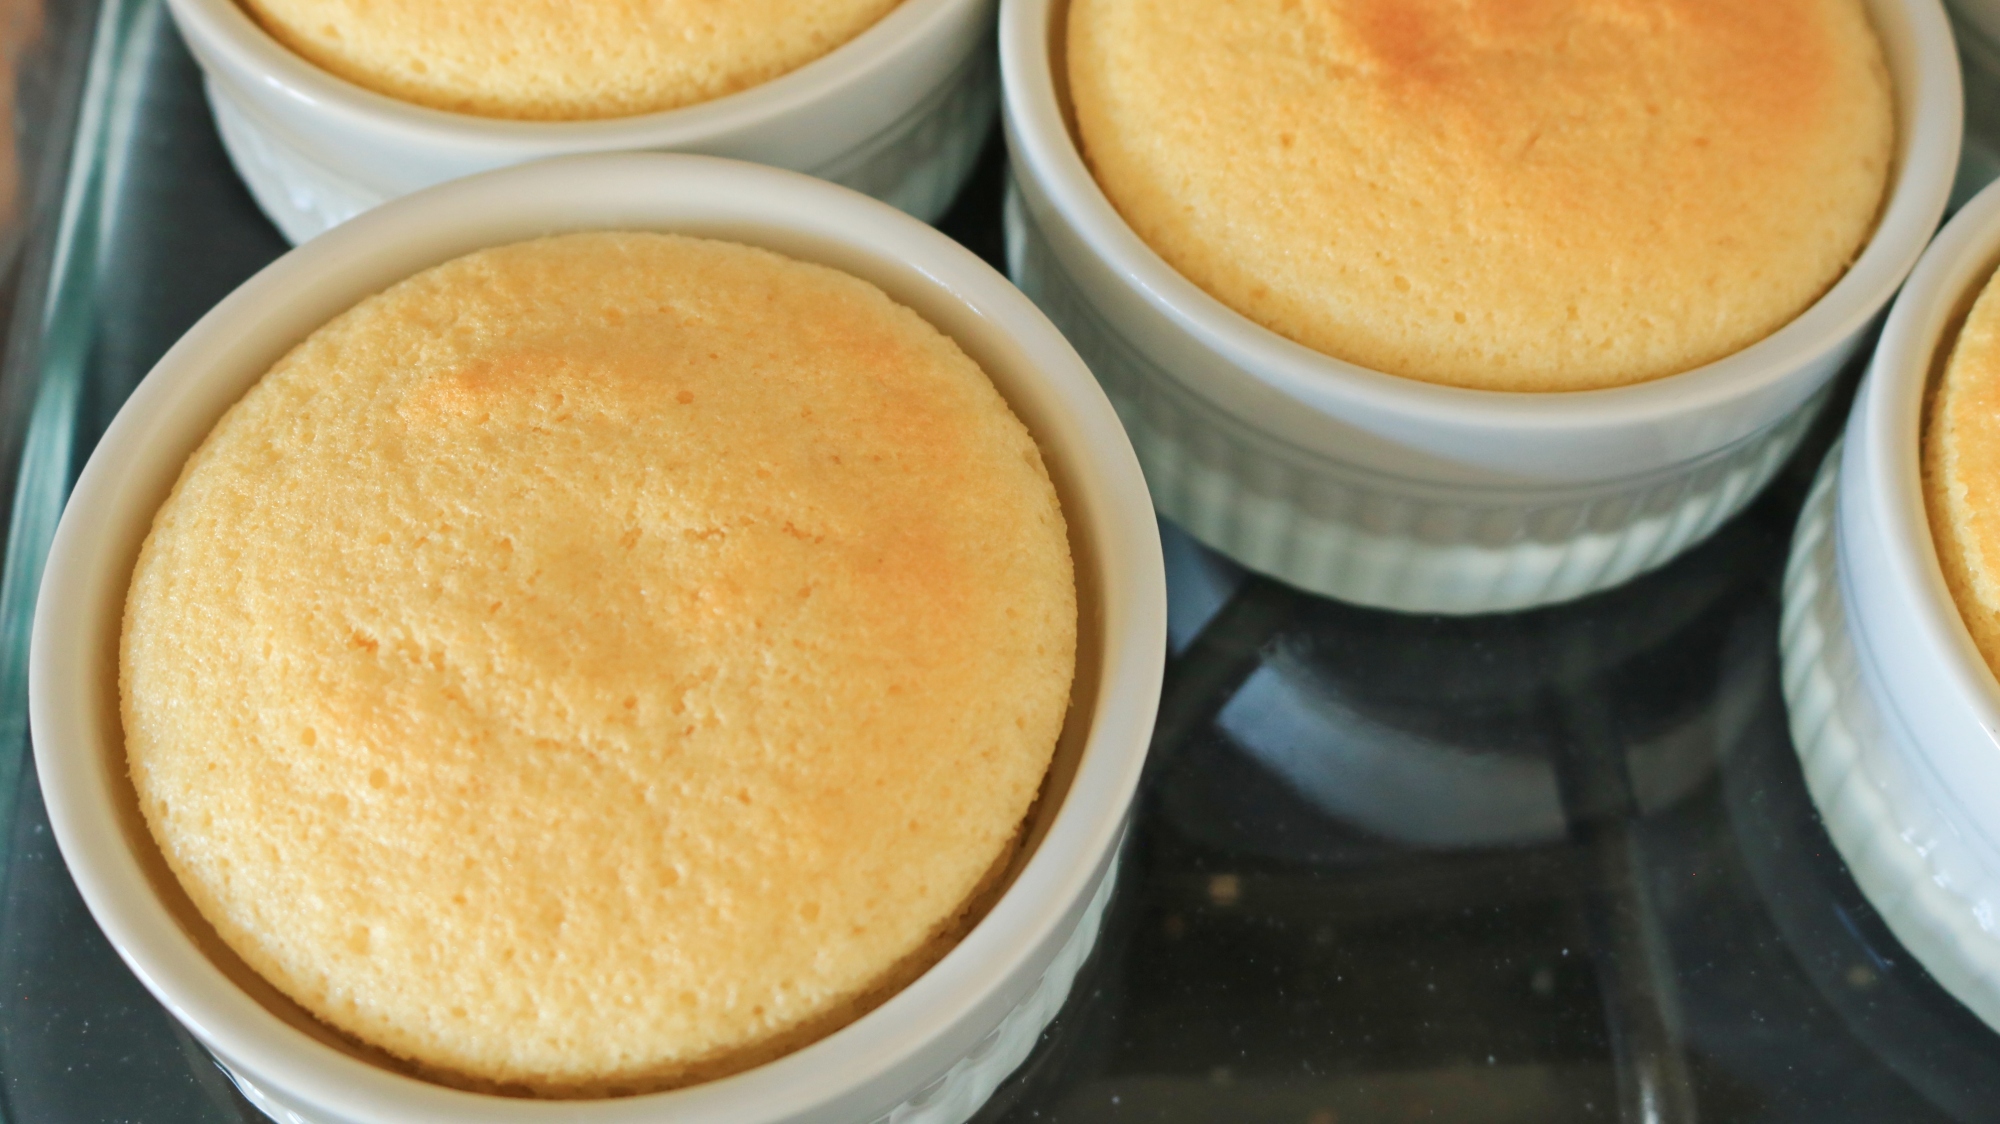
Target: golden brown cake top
x,y
1962,472
1505,194
562,60
600,662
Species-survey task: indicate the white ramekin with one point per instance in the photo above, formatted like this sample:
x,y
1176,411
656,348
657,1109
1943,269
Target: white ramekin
x,y
934,1051
1894,714
1401,494
899,112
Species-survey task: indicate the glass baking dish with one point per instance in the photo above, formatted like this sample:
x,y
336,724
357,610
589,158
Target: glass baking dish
x,y
1545,866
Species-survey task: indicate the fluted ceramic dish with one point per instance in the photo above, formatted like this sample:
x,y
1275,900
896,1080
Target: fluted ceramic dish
x,y
1406,495
899,112
930,1054
1894,714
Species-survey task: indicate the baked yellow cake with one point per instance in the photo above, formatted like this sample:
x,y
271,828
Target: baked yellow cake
x,y
602,662
1529,195
1962,472
562,60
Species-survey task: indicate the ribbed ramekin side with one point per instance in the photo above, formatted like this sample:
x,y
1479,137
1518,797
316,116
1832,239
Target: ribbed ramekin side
x,y
1892,838
1345,531
917,163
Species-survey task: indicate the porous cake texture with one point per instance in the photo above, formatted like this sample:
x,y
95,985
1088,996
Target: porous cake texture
x,y
1527,195
1961,447
602,662
562,60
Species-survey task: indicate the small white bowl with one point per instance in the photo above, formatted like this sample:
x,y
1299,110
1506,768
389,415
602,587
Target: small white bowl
x,y
899,112
1405,495
1894,713
934,1051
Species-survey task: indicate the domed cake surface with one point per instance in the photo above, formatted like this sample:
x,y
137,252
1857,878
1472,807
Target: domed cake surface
x,y
1527,195
1962,472
602,662
561,60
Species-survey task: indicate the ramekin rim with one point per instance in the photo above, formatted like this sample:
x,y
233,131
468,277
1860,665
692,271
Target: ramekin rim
x,y
1051,883
248,50
1043,148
